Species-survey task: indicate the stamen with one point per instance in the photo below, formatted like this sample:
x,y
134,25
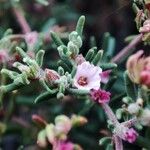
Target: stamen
x,y
82,81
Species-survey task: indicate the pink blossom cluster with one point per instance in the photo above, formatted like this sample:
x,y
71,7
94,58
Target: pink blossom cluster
x,y
131,135
100,96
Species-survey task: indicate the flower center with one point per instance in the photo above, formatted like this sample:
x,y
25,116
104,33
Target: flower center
x,y
82,81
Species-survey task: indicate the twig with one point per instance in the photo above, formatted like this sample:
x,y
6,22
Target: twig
x,y
21,122
110,114
118,143
127,49
130,122
21,20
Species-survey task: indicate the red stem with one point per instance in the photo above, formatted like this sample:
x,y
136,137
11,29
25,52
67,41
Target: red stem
x,y
118,143
21,20
127,49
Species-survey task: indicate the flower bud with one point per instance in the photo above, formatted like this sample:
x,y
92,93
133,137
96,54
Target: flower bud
x,y
78,120
77,147
145,78
41,139
64,146
62,124
146,27
51,76
39,120
100,96
131,135
125,133
79,59
50,133
133,108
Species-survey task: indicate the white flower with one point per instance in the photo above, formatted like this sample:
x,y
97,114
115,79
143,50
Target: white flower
x,y
87,76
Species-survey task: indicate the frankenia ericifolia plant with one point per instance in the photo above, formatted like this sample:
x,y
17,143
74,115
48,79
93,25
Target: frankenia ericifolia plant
x,y
89,76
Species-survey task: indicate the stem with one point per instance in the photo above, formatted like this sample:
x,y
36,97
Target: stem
x,y
16,36
110,114
127,49
118,143
11,107
3,81
130,122
21,20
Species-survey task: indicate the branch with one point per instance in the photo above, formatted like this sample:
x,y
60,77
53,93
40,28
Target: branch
x,y
127,49
118,143
21,20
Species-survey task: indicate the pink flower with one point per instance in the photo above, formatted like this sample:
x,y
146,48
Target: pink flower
x,y
131,135
64,146
100,96
146,27
105,76
87,76
145,76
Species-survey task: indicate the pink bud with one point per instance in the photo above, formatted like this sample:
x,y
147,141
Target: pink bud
x,y
64,146
145,78
62,124
51,75
41,140
79,59
105,76
131,135
39,120
100,96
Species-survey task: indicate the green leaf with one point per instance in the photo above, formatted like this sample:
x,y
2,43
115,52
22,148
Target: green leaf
x,y
90,54
107,66
43,2
130,87
98,57
80,25
39,57
105,140
56,39
44,97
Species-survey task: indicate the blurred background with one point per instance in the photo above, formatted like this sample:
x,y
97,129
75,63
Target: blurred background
x,y
113,16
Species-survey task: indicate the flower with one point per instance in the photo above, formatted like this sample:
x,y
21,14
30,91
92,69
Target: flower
x,y
64,146
131,135
100,96
145,76
105,76
146,27
62,124
145,30
136,65
79,59
127,134
87,76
